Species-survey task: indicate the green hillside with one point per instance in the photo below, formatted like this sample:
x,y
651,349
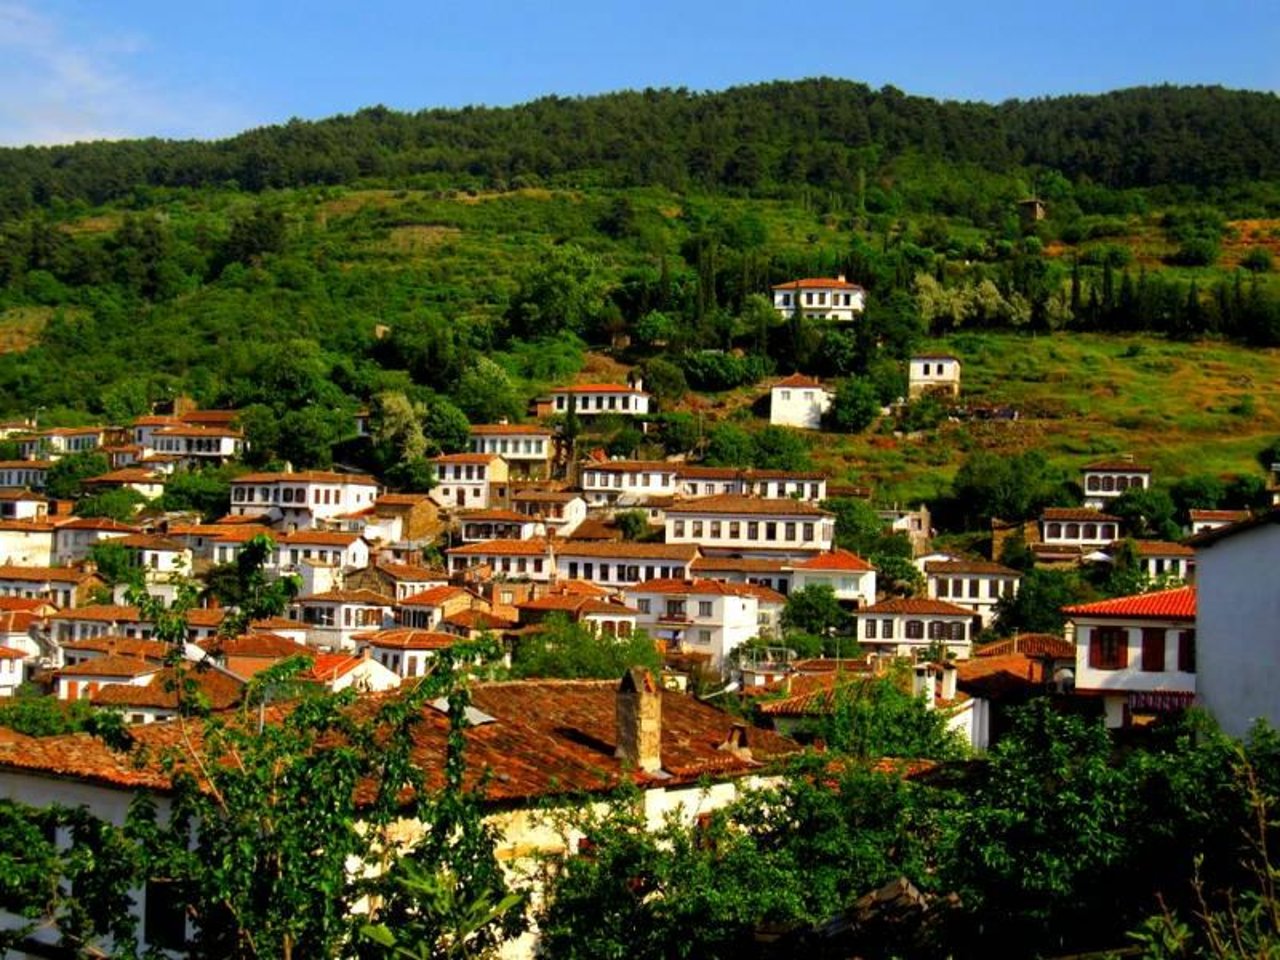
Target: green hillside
x,y
465,260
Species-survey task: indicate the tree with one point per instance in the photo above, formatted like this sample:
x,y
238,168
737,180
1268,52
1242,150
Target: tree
x,y
447,428
729,445
64,481
575,651
1257,260
858,525
118,503
207,492
854,407
1011,488
245,589
1037,607
781,448
814,609
396,427
114,563
1148,513
485,393
564,291
877,717
633,524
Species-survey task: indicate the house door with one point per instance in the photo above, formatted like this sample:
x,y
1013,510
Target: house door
x,y
462,496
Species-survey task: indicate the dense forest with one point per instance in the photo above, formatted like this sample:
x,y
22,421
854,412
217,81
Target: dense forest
x,y
759,139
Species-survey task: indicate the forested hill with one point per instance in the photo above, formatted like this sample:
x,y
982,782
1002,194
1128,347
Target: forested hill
x,y
755,139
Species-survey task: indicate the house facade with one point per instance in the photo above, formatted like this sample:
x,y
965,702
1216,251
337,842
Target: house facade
x,y
799,401
528,449
1082,528
851,579
751,526
600,399
933,373
976,585
1106,480
301,500
822,298
606,482
706,618
469,481
909,626
1137,653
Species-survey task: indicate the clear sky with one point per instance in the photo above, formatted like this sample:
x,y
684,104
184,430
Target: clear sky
x,y
83,69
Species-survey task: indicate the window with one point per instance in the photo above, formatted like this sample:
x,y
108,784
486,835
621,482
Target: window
x,y
1187,651
704,608
715,529
675,608
956,631
944,587
753,530
937,630
1152,649
704,636
915,630
790,532
678,528
870,630
771,531
786,395
1053,531
735,530
974,584
808,533
643,605
165,915
1093,483
697,528
1109,648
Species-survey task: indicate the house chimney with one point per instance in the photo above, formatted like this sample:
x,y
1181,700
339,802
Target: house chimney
x,y
840,277
949,674
639,721
922,684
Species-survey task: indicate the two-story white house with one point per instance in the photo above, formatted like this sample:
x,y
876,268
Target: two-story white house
x,y
471,481
707,617
799,401
975,585
23,505
1080,527
24,474
560,511
590,400
345,551
527,448
1164,560
299,501
504,559
909,626
1138,653
477,525
197,445
933,373
851,579
606,482
61,441
335,617
751,526
27,542
617,563
1108,479
822,298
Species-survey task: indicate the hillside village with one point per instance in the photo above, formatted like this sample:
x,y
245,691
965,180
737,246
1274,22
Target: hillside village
x,y
793,578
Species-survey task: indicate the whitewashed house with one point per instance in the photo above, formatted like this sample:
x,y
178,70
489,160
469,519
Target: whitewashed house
x,y
702,617
1138,653
617,563
799,401
933,373
606,482
1202,521
593,400
975,585
1238,609
909,626
299,501
852,579
346,551
11,671
751,526
406,651
27,543
471,481
334,618
527,448
821,298
24,474
560,511
23,505
1108,479
1083,528
504,559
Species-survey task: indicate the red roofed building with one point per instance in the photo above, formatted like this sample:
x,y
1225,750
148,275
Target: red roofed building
x,y
1137,653
852,579
597,399
822,298
1203,521
343,671
976,585
909,626
469,481
799,401
10,670
528,449
1106,480
707,617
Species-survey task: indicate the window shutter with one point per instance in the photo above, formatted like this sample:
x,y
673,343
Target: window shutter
x,y
1187,651
1153,649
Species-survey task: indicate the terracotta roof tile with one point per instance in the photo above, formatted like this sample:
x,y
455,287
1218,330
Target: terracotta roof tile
x,y
1116,466
1162,548
1219,516
219,690
817,283
837,559
1176,604
917,605
1029,644
412,573
728,503
596,388
478,620
254,645
368,597
627,550
136,647
433,597
320,538
508,430
111,665
1078,513
797,381
535,547
404,638
101,612
308,476
42,574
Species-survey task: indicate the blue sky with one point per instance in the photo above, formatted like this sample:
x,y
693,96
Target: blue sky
x,y
85,69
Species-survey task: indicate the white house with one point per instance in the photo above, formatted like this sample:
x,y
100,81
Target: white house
x,y
617,563
504,559
11,673
98,620
334,618
852,579
23,505
908,626
25,474
347,551
64,587
27,543
1078,527
702,617
344,671
772,572
592,400
428,609
559,510
808,485
196,445
405,651
822,298
85,678
933,373
61,441
493,524
1163,560
1238,609
798,401
300,500
975,585
473,481
604,483
528,449
751,526
1137,653
1202,521
1108,479
76,537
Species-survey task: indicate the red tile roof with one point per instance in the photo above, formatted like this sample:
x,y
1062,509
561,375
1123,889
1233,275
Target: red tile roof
x,y
101,612
8,653
219,690
404,638
1210,537
24,604
476,458
969,566
536,547
268,646
43,574
1116,466
631,466
837,559
494,516
136,647
411,573
319,538
730,503
917,605
797,381
433,597
1162,548
674,586
112,665
479,620
326,667
367,597
508,429
1219,516
596,388
1176,604
308,476
738,565
817,283
1077,513
1029,644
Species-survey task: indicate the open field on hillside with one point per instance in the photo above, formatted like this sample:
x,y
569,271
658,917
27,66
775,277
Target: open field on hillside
x,y
1183,407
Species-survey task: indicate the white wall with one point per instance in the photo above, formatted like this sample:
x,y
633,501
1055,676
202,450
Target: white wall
x,y
801,407
1238,605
